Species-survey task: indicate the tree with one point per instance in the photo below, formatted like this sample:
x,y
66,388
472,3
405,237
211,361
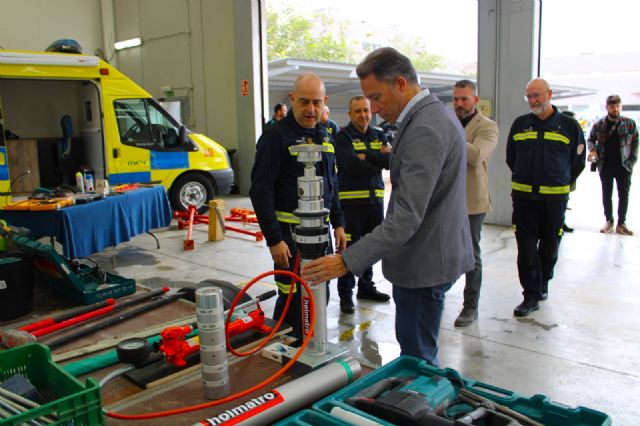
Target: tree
x,y
414,48
324,38
290,35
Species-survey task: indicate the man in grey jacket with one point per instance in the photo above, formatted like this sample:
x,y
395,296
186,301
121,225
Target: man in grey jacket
x,y
424,242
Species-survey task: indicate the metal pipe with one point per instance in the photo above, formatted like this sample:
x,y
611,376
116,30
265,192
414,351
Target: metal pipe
x,y
275,404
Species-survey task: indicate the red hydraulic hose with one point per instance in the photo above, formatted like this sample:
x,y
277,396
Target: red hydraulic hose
x,y
276,375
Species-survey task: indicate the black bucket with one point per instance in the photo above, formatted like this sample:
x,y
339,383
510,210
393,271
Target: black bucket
x,y
16,285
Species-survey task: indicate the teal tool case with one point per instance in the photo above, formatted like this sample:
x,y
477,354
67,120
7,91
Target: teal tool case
x,y
82,283
538,407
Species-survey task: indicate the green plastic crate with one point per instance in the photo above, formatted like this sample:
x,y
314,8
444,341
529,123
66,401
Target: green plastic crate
x,y
538,407
52,270
74,403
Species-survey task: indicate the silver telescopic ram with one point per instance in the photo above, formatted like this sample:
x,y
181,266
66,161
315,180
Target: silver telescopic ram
x,y
312,238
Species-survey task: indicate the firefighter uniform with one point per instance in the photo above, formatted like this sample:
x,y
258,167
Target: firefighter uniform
x,y
544,156
274,194
361,194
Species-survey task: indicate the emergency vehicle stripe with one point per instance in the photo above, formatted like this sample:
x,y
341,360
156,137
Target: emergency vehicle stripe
x,y
353,195
284,288
359,146
525,135
553,136
329,146
286,217
521,187
554,189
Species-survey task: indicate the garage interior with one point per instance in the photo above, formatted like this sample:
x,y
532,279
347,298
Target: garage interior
x,y
580,349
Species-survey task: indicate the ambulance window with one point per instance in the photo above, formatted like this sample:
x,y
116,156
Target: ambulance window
x,y
143,125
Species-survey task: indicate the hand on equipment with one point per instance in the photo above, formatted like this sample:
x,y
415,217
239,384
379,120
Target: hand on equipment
x,y
324,268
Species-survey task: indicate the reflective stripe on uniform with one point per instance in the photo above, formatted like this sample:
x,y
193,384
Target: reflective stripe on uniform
x,y
329,146
555,189
554,136
293,153
359,146
347,236
284,287
525,135
376,144
521,187
287,217
354,195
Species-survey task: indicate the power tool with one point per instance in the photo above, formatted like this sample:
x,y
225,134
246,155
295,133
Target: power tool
x,y
423,401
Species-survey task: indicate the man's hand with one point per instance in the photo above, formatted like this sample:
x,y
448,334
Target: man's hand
x,y
280,254
362,156
386,148
592,154
324,269
341,239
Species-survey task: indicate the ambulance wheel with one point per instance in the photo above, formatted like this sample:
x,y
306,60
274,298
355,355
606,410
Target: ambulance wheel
x,y
189,189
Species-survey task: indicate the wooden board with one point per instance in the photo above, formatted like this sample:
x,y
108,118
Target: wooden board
x,y
23,156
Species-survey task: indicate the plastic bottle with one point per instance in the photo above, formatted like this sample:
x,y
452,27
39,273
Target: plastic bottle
x,y
88,181
105,188
80,183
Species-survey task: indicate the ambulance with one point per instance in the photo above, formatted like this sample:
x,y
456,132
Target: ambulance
x,y
62,113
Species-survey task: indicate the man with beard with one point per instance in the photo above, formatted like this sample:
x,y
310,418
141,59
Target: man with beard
x,y
613,144
545,152
482,139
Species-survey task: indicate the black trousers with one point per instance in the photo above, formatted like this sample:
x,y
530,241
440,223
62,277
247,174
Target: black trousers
x,y
623,183
360,220
538,228
293,316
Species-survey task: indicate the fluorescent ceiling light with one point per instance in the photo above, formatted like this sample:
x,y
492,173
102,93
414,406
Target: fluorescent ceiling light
x,y
125,44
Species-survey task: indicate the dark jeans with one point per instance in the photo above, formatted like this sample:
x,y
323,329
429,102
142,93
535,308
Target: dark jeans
x,y
360,220
473,278
538,227
623,183
418,316
294,314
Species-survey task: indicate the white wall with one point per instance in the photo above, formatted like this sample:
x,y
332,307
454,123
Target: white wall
x,y
34,24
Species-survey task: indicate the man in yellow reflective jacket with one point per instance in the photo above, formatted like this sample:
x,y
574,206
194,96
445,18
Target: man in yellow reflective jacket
x,y
545,152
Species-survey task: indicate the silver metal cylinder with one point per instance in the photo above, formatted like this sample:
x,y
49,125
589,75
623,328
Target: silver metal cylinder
x,y
292,396
213,350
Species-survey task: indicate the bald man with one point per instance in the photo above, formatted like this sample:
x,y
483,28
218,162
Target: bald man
x,y
274,186
545,152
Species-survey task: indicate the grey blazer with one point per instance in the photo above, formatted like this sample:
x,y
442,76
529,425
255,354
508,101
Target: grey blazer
x,y
424,240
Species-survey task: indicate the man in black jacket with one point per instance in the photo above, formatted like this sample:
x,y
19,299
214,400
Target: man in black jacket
x,y
545,152
362,152
274,187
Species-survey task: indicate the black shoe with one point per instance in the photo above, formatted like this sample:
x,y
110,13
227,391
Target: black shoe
x,y
374,295
565,228
346,306
544,296
526,307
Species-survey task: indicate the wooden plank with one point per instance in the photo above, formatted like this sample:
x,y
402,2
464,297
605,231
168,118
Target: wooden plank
x,y
23,156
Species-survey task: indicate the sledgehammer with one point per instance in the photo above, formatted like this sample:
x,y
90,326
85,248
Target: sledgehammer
x,y
21,336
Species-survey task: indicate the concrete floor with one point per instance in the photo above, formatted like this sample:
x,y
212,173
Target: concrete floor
x,y
580,349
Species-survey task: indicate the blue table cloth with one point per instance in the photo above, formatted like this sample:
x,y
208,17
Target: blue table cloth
x,y
89,228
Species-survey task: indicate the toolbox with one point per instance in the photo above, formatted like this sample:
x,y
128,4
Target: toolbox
x,y
67,400
538,407
83,283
